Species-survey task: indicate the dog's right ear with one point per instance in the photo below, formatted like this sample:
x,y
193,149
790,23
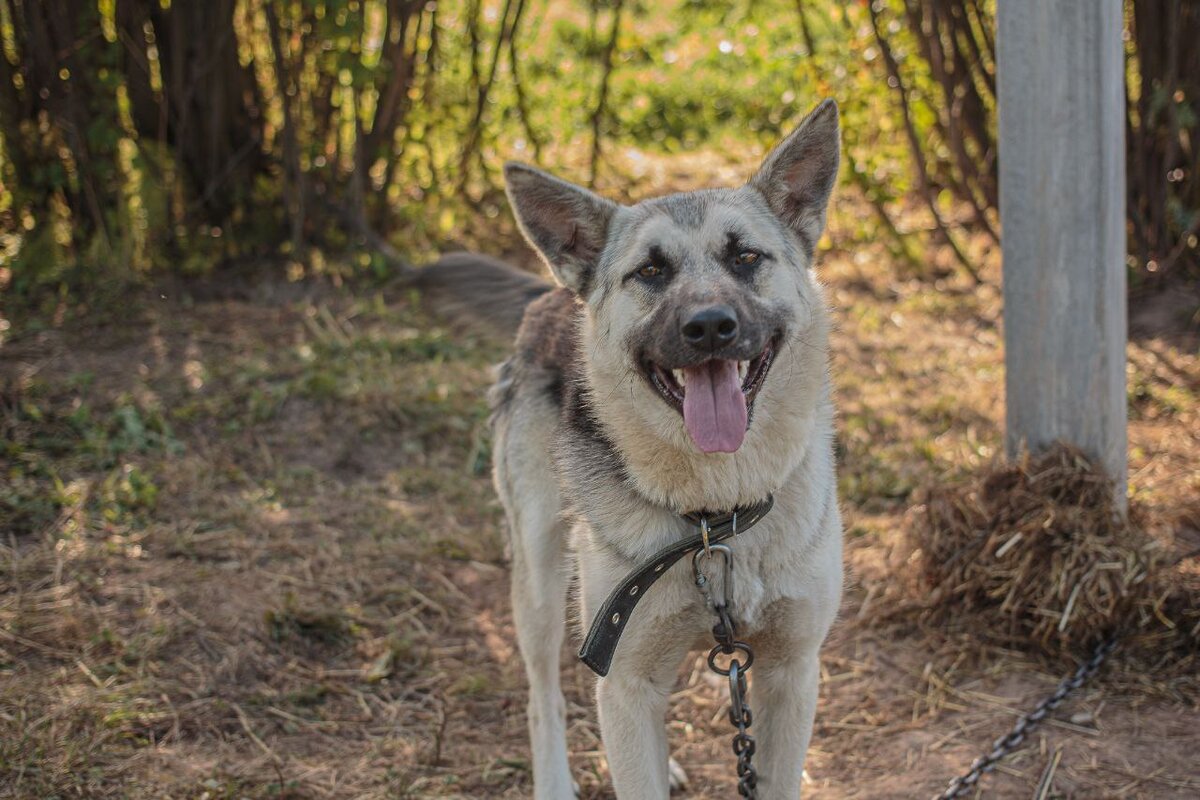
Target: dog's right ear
x,y
565,223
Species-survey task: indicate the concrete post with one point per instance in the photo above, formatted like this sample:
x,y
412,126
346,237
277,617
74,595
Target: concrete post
x,y
1062,208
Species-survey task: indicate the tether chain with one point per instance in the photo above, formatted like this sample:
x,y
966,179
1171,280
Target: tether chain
x,y
725,635
740,716
960,786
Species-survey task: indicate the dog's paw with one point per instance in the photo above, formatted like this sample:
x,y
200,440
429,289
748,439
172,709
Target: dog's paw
x,y
678,778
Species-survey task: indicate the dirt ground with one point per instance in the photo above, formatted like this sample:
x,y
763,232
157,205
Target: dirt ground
x,y
251,551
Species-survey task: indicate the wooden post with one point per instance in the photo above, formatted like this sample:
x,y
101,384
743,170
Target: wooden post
x,y
1062,207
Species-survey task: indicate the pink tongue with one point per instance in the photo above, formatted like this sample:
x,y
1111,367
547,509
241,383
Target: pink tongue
x,y
714,408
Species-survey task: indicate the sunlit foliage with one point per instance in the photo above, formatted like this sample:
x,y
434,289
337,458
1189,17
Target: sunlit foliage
x,y
138,135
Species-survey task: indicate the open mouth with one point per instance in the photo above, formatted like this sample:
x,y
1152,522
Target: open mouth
x,y
714,397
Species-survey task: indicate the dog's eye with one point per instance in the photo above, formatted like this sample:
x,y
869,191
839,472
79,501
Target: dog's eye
x,y
747,258
649,271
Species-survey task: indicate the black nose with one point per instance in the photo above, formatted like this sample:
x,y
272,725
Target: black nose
x,y
711,328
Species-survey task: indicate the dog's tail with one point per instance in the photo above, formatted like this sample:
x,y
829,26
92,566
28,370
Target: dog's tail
x,y
480,292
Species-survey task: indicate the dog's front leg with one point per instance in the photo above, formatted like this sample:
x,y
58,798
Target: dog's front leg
x,y
783,698
632,699
632,703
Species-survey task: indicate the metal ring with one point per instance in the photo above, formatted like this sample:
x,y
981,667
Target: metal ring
x,y
725,551
745,648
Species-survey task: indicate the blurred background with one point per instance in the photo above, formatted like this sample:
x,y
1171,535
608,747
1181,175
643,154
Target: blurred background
x,y
248,544
148,137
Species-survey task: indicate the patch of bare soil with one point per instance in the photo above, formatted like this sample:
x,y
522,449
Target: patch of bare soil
x,y
312,601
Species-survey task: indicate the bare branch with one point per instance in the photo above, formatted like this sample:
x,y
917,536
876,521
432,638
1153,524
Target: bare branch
x,y
915,146
602,100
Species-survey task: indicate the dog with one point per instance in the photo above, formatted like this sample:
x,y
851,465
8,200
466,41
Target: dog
x,y
680,365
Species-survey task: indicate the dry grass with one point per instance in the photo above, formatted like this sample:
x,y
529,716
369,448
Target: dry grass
x,y
1034,555
250,550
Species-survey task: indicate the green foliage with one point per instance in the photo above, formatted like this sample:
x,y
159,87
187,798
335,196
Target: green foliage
x,y
134,430
408,114
125,492
65,462
397,116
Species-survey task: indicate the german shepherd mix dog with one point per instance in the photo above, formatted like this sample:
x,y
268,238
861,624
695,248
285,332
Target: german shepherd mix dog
x,y
681,366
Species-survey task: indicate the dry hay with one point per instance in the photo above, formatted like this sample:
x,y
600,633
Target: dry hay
x,y
1035,556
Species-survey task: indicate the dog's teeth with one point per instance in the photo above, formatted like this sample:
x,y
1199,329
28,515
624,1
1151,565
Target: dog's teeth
x,y
743,368
680,377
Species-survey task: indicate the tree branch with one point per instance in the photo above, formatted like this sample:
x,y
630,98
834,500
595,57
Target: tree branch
x,y
602,100
914,142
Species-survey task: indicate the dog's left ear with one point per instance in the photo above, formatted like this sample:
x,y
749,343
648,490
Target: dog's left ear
x,y
565,223
798,176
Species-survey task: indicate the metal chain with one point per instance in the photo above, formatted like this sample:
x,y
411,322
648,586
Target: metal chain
x,y
960,786
741,717
743,742
725,634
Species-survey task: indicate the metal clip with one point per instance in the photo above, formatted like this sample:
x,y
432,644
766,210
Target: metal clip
x,y
704,536
737,682
703,582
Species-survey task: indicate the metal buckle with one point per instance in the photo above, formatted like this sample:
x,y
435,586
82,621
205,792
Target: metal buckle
x,y
704,536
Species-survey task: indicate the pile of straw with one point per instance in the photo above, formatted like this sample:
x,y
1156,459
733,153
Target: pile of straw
x,y
1035,556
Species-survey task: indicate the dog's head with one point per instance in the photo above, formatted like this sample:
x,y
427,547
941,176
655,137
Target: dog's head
x,y
692,297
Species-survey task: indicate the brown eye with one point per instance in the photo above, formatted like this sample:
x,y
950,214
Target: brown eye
x,y
747,258
649,271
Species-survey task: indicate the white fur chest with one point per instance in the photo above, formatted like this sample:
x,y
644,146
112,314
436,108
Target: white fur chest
x,y
793,553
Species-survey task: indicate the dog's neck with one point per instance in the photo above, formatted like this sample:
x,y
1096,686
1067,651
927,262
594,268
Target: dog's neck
x,y
631,517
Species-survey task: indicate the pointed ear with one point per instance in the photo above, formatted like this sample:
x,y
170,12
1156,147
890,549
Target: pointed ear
x,y
798,176
566,224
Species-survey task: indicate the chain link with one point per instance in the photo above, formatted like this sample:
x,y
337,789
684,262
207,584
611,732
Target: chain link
x,y
741,717
725,634
964,784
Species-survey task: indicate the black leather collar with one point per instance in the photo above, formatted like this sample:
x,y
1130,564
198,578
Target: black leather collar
x,y
610,620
